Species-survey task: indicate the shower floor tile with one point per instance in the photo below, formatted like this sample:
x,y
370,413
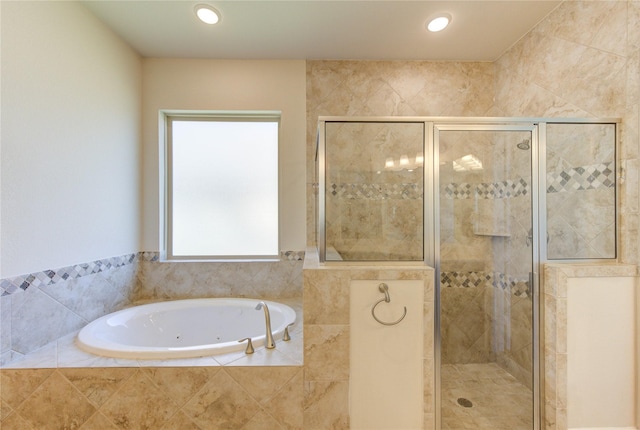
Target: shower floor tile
x,y
484,397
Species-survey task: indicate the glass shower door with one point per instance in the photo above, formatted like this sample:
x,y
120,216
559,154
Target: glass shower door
x,y
485,265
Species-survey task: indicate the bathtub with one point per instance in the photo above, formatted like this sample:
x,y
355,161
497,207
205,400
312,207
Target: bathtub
x,y
183,328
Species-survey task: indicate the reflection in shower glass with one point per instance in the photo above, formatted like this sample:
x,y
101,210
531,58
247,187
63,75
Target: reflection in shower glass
x,y
374,191
581,200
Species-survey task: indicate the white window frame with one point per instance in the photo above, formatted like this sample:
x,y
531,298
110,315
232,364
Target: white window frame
x,y
166,198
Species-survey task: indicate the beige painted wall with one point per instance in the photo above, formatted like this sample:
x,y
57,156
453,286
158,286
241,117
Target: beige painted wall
x,y
228,85
70,133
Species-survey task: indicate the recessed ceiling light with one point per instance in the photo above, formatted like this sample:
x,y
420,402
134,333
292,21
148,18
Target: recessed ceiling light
x,y
207,14
439,22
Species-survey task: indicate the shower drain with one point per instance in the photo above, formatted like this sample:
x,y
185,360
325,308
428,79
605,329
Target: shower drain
x,y
465,402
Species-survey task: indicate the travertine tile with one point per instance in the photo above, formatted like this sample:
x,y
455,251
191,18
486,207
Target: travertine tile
x,y
326,297
262,383
287,405
326,355
498,400
17,385
5,409
180,422
222,403
15,422
56,404
98,422
326,405
97,385
180,383
139,404
263,421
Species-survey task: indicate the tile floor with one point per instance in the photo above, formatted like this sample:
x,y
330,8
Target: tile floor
x,y
500,401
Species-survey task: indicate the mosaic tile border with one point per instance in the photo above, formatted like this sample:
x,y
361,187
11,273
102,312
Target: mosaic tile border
x,y
518,287
583,178
403,191
20,283
52,276
492,190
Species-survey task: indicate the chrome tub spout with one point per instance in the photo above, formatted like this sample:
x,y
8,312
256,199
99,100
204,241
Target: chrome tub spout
x,y
270,343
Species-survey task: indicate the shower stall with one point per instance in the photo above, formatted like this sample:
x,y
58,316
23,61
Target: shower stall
x,y
485,201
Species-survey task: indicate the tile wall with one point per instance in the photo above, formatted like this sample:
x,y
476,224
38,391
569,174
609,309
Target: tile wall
x,y
326,334
583,60
185,398
390,88
374,212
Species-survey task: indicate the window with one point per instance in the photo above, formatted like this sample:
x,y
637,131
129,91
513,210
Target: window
x,y
221,184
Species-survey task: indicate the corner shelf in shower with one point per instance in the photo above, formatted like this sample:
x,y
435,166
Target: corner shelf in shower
x,y
478,232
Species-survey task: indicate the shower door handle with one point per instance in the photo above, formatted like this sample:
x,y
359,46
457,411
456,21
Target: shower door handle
x,y
532,285
529,239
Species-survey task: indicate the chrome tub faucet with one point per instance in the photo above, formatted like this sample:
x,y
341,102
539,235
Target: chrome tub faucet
x,y
270,343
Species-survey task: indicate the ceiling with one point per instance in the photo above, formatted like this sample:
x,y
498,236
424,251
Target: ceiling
x,y
322,29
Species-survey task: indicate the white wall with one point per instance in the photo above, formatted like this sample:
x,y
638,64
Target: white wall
x,y
601,352
193,84
70,138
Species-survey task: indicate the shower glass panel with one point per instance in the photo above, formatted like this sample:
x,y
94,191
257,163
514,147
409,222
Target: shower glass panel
x,y
374,195
580,191
486,263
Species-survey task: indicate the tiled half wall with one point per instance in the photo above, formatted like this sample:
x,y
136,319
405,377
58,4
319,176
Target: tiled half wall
x,y
327,338
555,350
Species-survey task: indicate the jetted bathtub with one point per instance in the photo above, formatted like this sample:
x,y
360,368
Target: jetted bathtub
x,y
183,328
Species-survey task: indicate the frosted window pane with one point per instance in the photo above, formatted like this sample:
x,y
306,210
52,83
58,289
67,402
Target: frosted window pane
x,y
224,188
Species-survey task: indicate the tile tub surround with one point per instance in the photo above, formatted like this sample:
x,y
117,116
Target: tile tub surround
x,y
80,390
554,331
185,398
64,353
327,332
70,297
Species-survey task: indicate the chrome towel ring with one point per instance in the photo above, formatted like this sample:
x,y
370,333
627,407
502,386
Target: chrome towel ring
x,y
384,288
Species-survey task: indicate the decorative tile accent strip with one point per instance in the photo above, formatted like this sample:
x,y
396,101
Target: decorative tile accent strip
x,y
408,191
577,179
493,190
518,287
292,255
503,189
49,277
149,256
581,178
458,191
463,279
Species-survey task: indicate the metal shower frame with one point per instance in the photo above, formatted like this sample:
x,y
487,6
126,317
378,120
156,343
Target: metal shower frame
x,y
432,127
